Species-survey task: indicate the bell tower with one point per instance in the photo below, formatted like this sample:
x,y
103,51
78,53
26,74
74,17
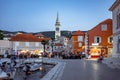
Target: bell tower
x,y
57,28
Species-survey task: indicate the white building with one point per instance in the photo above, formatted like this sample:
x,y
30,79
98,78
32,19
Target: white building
x,y
115,8
26,44
64,41
5,47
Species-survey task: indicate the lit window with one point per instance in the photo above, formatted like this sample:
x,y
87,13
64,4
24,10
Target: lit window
x,y
104,27
110,39
97,39
27,43
79,38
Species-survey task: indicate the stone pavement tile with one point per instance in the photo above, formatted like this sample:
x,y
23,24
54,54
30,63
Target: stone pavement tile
x,y
112,63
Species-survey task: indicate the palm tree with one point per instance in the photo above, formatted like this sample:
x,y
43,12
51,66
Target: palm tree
x,y
44,42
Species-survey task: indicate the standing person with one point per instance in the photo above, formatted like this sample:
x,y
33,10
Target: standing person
x,y
100,58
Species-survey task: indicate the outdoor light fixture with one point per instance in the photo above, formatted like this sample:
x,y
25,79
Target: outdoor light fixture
x,y
41,68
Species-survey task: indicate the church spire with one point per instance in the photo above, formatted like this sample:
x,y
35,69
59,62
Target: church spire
x,y
57,20
57,28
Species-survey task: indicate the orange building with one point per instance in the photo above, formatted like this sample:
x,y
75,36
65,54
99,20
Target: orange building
x,y
100,39
94,42
78,42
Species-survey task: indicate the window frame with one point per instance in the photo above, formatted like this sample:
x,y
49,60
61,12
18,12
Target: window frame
x,y
96,39
27,44
104,27
80,38
109,39
17,44
37,44
118,21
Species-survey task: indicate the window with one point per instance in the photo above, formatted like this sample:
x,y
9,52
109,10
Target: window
x,y
27,43
79,38
16,43
80,44
104,27
110,39
57,29
118,21
97,39
118,47
36,44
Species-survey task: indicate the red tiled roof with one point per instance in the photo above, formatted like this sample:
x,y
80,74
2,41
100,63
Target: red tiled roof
x,y
25,38
77,33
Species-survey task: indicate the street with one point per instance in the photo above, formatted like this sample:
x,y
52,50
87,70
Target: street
x,y
88,70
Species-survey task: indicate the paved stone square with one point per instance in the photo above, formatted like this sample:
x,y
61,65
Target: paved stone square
x,y
75,69
89,70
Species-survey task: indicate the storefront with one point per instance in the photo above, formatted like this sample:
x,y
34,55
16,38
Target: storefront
x,y
29,53
95,51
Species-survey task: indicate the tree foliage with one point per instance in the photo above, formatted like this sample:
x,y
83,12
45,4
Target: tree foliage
x,y
1,35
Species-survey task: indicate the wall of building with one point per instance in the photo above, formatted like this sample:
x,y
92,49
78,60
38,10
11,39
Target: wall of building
x,y
76,47
116,32
96,31
5,45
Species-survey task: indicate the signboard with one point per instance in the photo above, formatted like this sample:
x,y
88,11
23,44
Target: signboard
x,y
95,44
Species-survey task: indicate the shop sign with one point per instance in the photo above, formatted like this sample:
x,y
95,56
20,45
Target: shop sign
x,y
95,44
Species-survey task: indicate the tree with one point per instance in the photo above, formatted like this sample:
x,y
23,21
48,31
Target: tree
x,y
1,35
44,42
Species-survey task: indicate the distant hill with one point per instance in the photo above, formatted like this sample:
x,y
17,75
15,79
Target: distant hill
x,y
49,34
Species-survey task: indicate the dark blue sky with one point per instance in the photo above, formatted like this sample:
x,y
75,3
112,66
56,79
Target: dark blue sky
x,y
40,15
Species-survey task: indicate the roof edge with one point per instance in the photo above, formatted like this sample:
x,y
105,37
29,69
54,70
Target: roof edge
x,y
114,5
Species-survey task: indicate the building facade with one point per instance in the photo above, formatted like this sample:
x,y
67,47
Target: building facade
x,y
95,42
115,8
26,44
5,47
99,39
78,43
